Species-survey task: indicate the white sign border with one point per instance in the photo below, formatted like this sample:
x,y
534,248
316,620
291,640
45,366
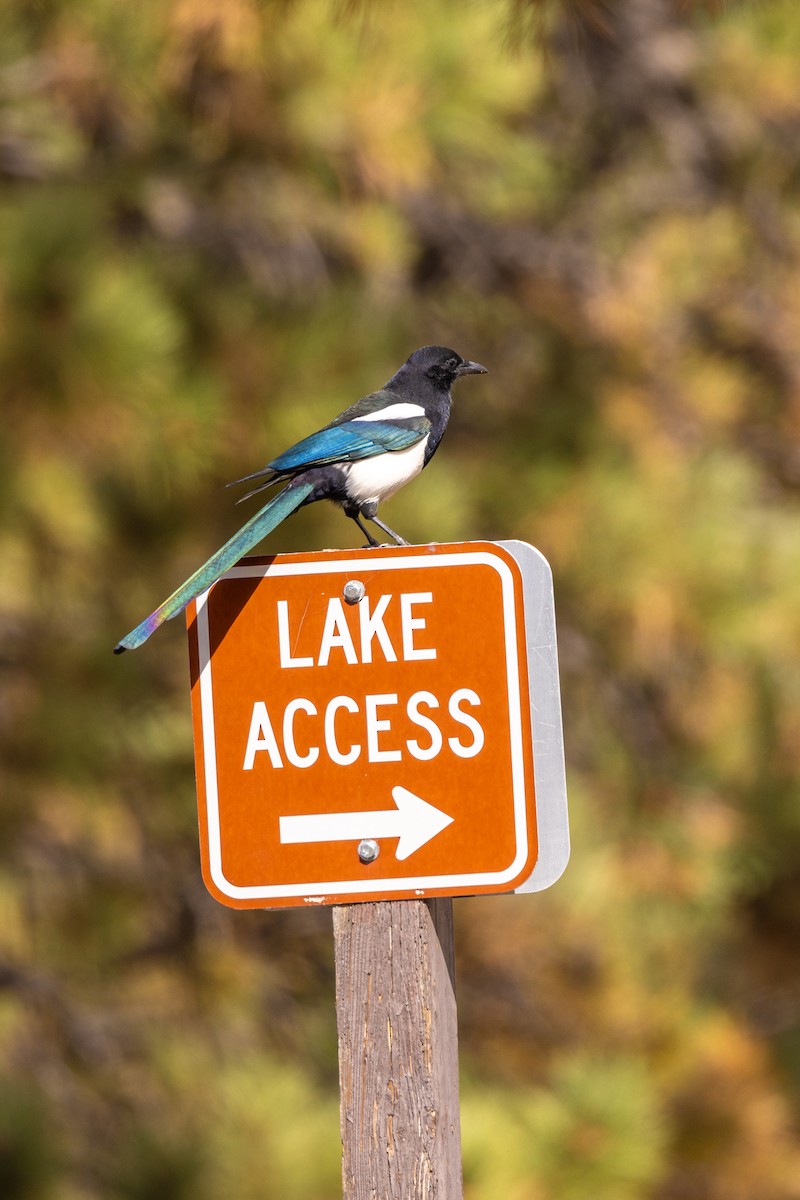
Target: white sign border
x,y
317,892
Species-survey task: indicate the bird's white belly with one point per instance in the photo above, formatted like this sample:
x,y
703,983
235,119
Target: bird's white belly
x,y
376,479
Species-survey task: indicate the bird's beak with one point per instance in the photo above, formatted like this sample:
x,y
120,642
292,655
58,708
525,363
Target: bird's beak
x,y
472,368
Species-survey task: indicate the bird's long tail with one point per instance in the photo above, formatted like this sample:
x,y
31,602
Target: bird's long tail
x,y
264,521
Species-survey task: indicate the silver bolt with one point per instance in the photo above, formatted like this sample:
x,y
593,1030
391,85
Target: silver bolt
x,y
354,591
368,850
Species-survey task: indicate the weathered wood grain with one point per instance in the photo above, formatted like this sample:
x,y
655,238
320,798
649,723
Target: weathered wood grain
x,y
398,1050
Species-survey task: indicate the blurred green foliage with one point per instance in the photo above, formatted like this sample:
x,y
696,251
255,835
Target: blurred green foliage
x,y
218,225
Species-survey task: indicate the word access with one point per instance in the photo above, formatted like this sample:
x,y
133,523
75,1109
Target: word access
x,y
378,724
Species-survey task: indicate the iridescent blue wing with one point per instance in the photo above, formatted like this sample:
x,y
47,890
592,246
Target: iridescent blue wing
x,y
350,442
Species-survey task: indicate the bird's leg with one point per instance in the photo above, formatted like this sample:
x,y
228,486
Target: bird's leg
x,y
371,540
376,521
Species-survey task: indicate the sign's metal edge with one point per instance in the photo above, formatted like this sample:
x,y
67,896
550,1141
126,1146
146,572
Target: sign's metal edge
x,y
549,768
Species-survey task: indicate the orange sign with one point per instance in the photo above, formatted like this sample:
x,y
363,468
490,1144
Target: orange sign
x,y
363,726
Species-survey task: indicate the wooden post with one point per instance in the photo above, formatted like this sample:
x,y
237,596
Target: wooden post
x,y
398,1050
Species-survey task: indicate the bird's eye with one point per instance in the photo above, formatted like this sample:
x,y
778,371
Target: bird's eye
x,y
445,370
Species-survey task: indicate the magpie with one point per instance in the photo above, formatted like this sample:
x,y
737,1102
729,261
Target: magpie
x,y
358,460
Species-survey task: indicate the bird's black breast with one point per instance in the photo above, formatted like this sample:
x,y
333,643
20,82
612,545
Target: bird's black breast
x,y
438,413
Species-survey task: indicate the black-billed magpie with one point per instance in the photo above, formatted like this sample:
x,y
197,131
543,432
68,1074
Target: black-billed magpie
x,y
361,458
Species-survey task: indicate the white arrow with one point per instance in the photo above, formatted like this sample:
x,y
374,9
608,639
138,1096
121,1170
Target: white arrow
x,y
414,822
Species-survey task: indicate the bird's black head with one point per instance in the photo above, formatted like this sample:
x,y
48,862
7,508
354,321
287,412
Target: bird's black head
x,y
443,366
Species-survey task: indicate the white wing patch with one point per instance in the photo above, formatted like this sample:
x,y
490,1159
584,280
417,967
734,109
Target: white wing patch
x,y
378,478
393,411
